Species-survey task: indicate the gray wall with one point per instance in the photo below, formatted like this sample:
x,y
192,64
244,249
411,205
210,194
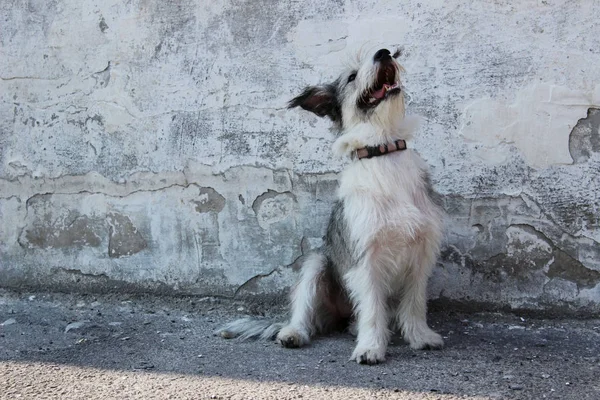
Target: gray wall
x,y
145,145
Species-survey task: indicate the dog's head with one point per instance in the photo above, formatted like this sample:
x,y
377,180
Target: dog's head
x,y
369,91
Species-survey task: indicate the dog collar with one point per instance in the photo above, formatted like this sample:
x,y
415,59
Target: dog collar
x,y
375,151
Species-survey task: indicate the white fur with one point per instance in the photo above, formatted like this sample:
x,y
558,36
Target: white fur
x,y
399,229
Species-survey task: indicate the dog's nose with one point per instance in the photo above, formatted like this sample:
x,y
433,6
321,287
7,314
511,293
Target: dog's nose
x,y
381,55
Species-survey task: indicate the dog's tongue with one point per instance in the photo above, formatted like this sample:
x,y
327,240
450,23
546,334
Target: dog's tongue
x,y
378,94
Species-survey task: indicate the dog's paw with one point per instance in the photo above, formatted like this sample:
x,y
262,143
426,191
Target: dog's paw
x,y
369,356
427,340
291,337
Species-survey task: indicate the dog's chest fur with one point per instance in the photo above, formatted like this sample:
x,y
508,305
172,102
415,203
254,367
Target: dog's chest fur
x,y
385,195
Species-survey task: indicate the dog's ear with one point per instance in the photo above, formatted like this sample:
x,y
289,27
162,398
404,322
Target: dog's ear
x,y
321,100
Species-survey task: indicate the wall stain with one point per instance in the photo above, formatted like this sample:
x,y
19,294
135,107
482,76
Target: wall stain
x,y
584,140
124,239
210,201
73,230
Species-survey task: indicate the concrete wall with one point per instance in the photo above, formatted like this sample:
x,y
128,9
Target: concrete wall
x,y
145,145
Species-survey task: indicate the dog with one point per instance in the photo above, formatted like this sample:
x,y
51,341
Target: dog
x,y
385,229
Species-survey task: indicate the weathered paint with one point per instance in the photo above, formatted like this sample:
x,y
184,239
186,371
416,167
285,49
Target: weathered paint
x,y
145,145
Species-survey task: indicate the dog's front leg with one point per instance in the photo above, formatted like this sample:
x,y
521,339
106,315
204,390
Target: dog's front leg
x,y
412,310
369,295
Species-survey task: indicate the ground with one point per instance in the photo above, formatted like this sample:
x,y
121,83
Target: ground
x,y
121,346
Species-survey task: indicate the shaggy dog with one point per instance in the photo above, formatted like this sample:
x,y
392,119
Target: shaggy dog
x,y
385,229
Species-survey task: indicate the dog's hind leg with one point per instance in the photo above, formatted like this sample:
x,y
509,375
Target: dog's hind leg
x,y
305,304
411,312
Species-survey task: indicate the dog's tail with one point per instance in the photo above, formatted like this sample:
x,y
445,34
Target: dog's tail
x,y
250,328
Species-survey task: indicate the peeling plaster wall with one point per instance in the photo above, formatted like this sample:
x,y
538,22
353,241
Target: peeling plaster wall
x,y
145,145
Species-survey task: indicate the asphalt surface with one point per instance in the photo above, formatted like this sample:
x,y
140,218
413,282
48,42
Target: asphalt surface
x,y
102,347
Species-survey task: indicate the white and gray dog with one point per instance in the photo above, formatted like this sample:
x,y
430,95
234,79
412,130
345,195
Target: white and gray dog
x,y
385,229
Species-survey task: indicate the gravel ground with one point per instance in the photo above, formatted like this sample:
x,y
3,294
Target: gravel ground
x,y
102,347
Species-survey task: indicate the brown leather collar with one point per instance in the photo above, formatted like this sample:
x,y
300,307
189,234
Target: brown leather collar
x,y
375,151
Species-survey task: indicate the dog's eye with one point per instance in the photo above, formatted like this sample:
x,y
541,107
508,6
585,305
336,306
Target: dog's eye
x,y
351,78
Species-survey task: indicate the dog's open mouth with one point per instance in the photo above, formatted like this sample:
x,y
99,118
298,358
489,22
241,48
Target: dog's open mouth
x,y
385,86
385,89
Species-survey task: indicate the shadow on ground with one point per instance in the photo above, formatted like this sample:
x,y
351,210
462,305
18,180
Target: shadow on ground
x,y
487,355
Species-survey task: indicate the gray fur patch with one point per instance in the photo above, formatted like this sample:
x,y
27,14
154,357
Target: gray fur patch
x,y
250,328
338,243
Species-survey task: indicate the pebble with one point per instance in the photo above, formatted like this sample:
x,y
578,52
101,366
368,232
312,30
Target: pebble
x,y
74,325
144,365
9,321
515,386
512,327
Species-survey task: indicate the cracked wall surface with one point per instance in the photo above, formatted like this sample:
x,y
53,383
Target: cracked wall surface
x,y
145,145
